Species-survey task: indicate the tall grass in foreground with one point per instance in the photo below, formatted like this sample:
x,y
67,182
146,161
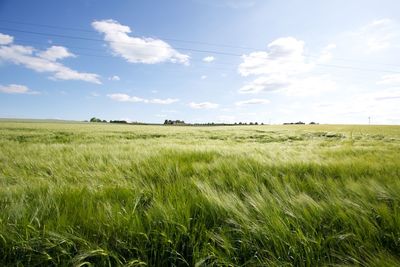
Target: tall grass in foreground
x,y
110,195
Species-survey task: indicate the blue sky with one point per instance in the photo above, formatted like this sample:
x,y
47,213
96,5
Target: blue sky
x,y
201,60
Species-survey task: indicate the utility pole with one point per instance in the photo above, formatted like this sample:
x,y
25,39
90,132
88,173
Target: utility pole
x,y
369,120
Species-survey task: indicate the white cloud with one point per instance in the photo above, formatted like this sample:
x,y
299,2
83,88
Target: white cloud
x,y
208,59
54,53
299,86
45,61
390,79
254,101
135,49
285,55
265,83
310,85
162,101
203,105
16,89
378,35
381,106
326,54
134,99
125,98
114,78
387,94
203,77
283,68
6,39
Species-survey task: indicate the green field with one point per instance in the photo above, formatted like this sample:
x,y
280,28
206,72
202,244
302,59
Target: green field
x,y
79,194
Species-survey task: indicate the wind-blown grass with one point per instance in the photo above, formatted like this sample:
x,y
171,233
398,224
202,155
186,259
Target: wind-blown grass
x,y
122,195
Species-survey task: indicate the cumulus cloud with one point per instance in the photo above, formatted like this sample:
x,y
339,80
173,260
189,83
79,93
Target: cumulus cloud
x,y
283,67
254,101
208,59
137,49
44,61
54,53
203,105
6,39
114,78
16,89
134,99
285,55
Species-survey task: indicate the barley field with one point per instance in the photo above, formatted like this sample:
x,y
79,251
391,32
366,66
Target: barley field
x,y
87,194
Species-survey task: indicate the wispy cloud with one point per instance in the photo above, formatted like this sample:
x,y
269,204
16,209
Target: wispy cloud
x,y
254,101
16,89
379,34
134,99
114,78
203,105
208,59
135,49
390,79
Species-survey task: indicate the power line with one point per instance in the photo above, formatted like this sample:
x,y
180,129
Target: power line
x,y
46,26
101,40
159,37
184,48
213,63
185,41
204,66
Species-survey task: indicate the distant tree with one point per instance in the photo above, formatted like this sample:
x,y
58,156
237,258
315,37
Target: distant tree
x,y
94,119
173,122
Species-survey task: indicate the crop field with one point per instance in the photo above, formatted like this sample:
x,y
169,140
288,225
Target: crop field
x,y
88,194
